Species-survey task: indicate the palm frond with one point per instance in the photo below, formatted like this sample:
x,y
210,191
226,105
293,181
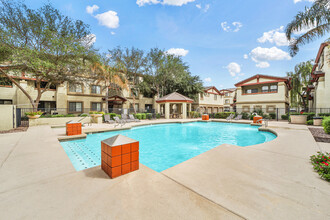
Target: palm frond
x,y
309,36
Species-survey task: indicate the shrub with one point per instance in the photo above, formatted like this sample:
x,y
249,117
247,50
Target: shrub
x,y
34,113
245,115
324,114
321,164
83,115
326,125
310,115
223,114
158,115
309,122
251,117
96,112
285,117
272,115
140,116
265,116
212,115
194,114
149,116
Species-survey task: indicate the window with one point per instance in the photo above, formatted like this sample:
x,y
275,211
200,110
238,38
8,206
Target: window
x,y
215,97
227,94
43,85
227,101
273,88
227,109
75,88
251,91
5,102
270,108
257,108
96,106
246,108
96,89
75,106
4,81
265,89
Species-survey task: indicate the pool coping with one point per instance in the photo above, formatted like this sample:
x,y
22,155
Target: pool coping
x,y
85,133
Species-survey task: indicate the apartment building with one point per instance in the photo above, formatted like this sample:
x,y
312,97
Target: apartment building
x,y
69,98
229,99
268,93
321,79
210,101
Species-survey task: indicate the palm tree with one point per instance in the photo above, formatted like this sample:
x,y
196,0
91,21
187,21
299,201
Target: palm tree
x,y
110,75
317,17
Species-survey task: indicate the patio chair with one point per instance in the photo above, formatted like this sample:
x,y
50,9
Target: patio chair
x,y
126,118
134,119
238,117
230,117
120,122
107,119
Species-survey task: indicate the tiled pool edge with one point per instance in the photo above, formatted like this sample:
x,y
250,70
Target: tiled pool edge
x,y
85,133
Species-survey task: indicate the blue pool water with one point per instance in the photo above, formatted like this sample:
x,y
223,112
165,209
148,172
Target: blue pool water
x,y
166,145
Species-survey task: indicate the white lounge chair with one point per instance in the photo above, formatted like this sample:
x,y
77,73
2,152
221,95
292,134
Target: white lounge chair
x,y
134,119
238,117
119,121
230,117
107,119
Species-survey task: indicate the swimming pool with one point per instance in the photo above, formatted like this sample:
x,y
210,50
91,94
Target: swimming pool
x,y
165,145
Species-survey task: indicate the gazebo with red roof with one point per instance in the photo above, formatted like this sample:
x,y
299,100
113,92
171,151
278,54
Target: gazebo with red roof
x,y
174,105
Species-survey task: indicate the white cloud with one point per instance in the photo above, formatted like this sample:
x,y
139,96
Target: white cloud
x,y
178,52
176,2
246,56
208,79
89,40
92,9
262,55
296,1
263,65
109,19
235,27
274,36
205,9
164,2
233,68
112,33
149,2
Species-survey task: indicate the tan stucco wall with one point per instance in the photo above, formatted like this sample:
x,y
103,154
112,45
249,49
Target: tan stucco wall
x,y
57,121
7,117
322,87
280,96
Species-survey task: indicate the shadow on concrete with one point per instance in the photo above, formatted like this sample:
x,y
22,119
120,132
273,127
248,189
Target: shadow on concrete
x,y
95,172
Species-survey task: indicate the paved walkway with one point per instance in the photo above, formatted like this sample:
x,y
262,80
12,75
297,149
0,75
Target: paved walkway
x,y
271,180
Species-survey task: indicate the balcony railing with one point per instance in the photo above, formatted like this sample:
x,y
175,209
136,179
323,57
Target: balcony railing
x,y
257,93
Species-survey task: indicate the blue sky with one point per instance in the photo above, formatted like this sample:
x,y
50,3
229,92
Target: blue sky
x,y
222,41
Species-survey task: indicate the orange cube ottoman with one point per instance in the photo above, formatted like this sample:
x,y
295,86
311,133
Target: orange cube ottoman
x,y
256,118
73,128
119,155
205,117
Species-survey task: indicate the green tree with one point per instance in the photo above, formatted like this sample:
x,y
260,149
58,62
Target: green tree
x,y
109,75
43,43
134,63
317,16
300,81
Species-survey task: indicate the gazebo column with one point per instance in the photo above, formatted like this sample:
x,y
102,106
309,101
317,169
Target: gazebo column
x,y
167,110
184,110
190,107
158,108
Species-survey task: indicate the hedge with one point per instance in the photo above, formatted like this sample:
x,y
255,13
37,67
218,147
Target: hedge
x,y
324,114
140,116
284,117
309,122
223,114
326,125
272,115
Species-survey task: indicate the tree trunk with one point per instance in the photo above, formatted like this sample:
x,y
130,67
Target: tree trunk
x,y
107,99
19,86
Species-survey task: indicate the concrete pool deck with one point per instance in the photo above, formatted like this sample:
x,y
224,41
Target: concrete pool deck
x,y
271,180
